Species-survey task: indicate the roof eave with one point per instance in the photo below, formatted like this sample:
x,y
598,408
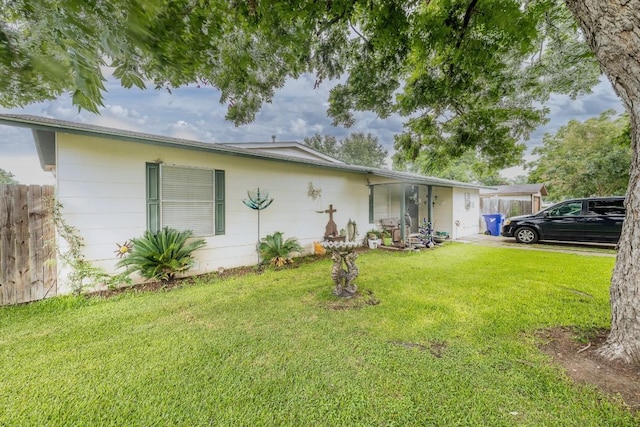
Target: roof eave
x,y
41,126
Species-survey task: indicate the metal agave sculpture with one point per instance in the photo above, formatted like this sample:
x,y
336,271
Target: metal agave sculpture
x,y
258,201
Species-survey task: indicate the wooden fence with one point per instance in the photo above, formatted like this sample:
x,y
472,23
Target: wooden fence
x,y
504,206
27,250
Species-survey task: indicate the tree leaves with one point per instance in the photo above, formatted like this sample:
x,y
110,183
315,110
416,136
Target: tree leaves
x,y
466,74
7,177
356,149
585,159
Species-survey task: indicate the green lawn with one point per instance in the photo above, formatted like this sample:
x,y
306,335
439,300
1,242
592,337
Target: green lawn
x,y
450,344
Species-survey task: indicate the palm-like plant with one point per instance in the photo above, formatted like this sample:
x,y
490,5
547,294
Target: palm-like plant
x,y
276,250
160,256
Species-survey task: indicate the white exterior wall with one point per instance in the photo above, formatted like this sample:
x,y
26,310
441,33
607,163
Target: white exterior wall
x,y
423,200
102,186
451,213
442,197
465,216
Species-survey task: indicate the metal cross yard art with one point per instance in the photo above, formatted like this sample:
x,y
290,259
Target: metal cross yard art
x,y
258,201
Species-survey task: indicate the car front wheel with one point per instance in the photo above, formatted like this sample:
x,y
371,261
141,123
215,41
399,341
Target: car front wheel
x,y
526,235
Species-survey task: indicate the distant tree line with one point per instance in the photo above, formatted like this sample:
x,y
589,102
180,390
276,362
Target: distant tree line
x,y
356,149
582,159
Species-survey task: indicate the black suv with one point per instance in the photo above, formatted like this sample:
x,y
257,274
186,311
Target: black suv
x,y
594,219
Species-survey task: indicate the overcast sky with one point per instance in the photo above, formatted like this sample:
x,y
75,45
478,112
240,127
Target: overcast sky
x,y
296,112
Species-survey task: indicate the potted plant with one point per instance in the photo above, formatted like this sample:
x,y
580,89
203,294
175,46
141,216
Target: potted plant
x,y
440,236
386,238
373,238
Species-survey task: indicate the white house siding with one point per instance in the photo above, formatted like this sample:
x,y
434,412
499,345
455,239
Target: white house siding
x,y
423,199
442,198
466,205
101,185
452,213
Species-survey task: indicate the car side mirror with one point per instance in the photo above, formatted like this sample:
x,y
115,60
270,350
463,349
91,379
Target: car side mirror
x,y
545,214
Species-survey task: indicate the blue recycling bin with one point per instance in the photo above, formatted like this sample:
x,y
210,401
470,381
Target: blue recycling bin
x,y
494,223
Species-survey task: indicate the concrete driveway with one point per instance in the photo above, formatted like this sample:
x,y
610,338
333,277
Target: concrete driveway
x,y
593,249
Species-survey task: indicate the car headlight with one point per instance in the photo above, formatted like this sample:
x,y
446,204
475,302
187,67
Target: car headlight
x,y
507,221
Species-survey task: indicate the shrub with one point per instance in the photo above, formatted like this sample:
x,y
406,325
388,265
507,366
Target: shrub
x,y
276,250
160,256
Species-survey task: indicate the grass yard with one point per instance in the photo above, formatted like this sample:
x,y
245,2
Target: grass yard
x,y
451,343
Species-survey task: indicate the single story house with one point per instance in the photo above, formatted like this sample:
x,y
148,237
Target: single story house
x,y
115,184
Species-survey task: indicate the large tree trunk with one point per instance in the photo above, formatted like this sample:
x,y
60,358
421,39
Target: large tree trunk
x,y
612,29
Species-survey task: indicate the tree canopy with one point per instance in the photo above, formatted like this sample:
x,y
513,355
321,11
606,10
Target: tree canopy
x,y
465,74
327,144
468,167
591,158
356,149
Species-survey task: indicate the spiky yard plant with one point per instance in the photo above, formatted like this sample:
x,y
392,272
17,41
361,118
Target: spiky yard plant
x,y
162,255
274,249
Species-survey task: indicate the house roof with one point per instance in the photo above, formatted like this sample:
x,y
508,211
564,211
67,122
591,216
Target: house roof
x,y
515,190
291,148
44,130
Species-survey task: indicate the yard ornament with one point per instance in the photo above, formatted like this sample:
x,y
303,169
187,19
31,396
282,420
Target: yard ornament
x,y
258,201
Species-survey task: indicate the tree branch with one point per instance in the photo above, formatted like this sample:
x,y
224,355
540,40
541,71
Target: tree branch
x,y
465,21
359,34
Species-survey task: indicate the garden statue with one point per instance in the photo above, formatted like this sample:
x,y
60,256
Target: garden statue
x,y
352,231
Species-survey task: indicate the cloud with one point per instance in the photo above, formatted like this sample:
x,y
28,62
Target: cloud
x,y
12,141
26,169
298,110
562,109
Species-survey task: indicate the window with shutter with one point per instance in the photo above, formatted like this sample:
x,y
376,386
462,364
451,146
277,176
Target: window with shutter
x,y
153,197
220,197
185,199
